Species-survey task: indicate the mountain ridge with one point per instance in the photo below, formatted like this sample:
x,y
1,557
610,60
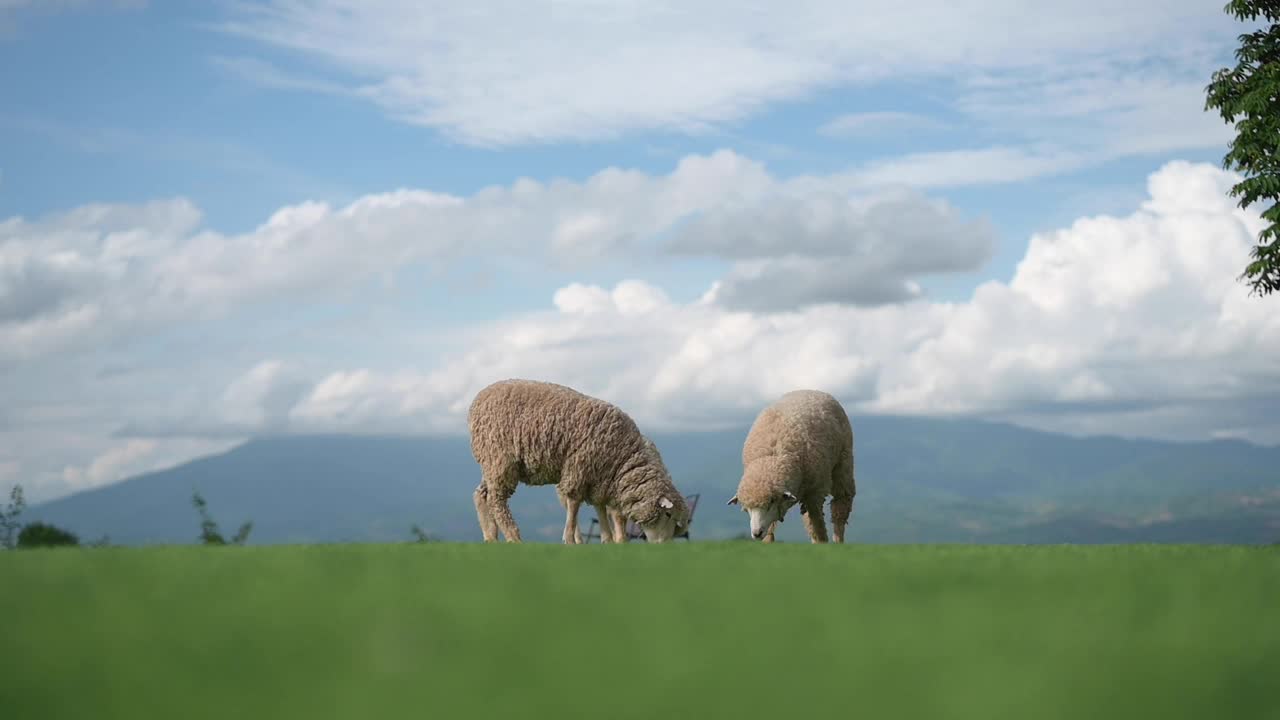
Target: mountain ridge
x,y
919,480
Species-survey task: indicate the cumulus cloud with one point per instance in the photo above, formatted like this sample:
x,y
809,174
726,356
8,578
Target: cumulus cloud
x,y
109,466
1132,323
423,62
99,273
817,249
107,460
262,398
34,286
1137,318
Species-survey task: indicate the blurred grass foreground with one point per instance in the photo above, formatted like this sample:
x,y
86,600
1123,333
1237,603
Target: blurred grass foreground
x,y
702,630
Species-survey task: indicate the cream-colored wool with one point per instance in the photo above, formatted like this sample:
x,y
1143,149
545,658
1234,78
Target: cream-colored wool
x,y
799,451
613,526
540,433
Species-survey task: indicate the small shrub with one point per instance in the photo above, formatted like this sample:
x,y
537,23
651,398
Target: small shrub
x,y
9,518
209,534
38,534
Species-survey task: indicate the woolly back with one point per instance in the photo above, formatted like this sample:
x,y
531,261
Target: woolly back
x,y
542,423
795,423
764,479
803,431
644,481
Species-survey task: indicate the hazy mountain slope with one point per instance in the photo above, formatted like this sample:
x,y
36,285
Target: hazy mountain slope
x,y
920,480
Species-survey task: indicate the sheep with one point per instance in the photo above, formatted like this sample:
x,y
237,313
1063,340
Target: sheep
x,y
541,433
799,450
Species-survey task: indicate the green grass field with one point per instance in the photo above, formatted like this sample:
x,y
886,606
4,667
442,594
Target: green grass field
x,y
702,630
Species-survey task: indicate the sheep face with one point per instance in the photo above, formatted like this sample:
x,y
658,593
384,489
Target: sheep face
x,y
763,517
762,493
669,521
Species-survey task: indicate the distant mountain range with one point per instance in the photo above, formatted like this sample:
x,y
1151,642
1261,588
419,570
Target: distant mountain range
x,y
919,480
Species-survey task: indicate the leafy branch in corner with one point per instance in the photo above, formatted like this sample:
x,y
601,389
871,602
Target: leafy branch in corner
x,y
1251,92
209,534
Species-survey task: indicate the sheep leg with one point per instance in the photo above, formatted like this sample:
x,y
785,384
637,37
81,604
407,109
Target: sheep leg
x,y
843,488
768,537
841,508
813,521
500,488
605,520
619,526
564,503
488,526
572,536
571,489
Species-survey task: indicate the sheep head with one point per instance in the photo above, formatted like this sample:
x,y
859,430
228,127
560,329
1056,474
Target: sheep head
x,y
763,494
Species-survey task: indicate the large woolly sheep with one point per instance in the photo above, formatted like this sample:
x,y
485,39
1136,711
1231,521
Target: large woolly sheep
x,y
799,451
540,433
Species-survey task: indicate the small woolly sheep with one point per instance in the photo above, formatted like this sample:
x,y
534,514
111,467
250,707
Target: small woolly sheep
x,y
540,433
799,451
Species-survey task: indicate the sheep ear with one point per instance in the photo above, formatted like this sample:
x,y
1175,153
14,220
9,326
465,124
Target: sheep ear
x,y
665,503
733,500
787,494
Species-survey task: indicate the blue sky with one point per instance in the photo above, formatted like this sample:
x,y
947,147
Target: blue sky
x,y
222,218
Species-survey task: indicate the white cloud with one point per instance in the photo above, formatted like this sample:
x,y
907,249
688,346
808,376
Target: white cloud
x,y
1055,121
261,399
1108,109
588,70
92,275
100,273
1031,89
108,460
110,466
1132,324
1058,121
267,75
872,124
983,166
629,298
825,248
1138,319
61,439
